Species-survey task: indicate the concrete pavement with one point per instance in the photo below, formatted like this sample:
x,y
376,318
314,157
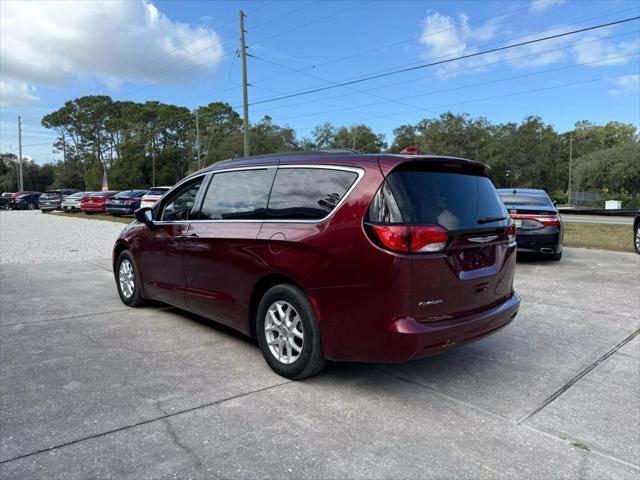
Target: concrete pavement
x,y
93,389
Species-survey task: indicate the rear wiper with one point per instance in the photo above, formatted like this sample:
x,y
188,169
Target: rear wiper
x,y
490,219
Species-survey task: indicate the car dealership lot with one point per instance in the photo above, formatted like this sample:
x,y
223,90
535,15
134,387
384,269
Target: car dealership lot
x,y
93,389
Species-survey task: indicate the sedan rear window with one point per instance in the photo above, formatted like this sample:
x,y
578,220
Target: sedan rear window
x,y
455,201
157,191
524,200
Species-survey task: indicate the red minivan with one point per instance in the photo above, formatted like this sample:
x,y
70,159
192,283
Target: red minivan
x,y
330,255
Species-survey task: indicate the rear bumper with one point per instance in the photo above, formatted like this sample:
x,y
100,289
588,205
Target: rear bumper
x,y
408,339
70,208
535,241
92,208
416,340
49,206
120,209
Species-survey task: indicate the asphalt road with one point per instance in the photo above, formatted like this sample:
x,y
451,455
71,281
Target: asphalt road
x,y
93,389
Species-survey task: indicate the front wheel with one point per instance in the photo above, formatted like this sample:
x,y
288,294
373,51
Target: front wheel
x,y
288,333
31,206
128,280
637,239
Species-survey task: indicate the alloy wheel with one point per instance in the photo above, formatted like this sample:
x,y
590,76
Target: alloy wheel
x,y
126,278
284,332
638,239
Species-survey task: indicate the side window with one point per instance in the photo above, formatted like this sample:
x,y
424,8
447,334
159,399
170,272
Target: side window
x,y
307,193
239,195
178,207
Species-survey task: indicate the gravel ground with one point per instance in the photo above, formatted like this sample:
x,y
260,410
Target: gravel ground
x,y
28,237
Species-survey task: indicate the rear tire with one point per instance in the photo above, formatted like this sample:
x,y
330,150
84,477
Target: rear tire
x,y
128,280
636,239
291,342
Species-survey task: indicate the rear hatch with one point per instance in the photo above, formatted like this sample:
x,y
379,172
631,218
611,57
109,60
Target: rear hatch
x,y
50,197
460,235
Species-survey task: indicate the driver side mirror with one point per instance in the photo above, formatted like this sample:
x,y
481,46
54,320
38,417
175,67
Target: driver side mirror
x,y
145,215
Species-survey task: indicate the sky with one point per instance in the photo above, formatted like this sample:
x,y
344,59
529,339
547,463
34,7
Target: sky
x,y
184,53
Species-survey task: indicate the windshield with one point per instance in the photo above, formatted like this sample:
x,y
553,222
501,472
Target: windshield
x,y
525,200
455,201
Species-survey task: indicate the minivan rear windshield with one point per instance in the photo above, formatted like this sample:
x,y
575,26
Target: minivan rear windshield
x,y
455,201
523,200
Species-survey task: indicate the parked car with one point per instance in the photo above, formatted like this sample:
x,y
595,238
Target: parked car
x,y
636,232
72,202
25,201
539,227
153,195
95,202
17,194
52,199
5,198
337,256
125,202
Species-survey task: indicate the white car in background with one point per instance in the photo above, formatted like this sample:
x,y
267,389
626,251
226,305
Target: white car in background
x,y
71,203
153,195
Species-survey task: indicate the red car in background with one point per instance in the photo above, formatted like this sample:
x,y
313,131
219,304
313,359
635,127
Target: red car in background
x,y
95,202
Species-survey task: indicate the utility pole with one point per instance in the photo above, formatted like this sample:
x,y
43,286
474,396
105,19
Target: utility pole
x,y
198,139
20,179
245,96
570,168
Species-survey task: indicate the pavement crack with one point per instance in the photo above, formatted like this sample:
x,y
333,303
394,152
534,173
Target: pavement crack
x,y
579,376
197,461
145,422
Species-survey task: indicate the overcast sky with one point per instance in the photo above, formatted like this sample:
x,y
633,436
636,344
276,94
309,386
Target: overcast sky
x,y
183,52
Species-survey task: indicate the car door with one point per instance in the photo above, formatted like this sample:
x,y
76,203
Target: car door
x,y
161,256
220,254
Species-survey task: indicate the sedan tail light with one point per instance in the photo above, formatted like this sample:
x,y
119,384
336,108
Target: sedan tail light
x,y
546,220
416,239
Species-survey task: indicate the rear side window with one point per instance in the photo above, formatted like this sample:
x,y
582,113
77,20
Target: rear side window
x,y
455,201
239,195
307,193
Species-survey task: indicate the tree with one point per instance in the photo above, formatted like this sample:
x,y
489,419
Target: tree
x,y
358,137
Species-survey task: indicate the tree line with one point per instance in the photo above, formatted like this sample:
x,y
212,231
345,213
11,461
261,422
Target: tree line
x,y
153,143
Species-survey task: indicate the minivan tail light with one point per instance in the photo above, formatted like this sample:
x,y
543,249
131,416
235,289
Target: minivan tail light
x,y
416,239
511,231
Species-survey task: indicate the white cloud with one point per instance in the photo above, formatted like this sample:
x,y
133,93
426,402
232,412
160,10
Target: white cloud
x,y
16,93
47,43
603,52
542,5
626,84
445,37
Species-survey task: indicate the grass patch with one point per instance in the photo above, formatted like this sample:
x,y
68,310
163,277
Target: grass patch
x,y
594,235
94,216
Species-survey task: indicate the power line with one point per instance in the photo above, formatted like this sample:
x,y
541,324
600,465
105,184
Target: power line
x,y
393,44
384,46
471,85
475,67
441,62
565,85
